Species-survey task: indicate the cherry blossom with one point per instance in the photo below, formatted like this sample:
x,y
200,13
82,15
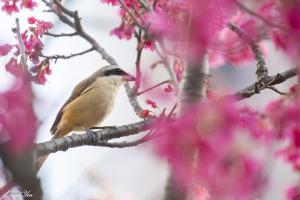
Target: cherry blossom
x,y
18,121
5,49
209,133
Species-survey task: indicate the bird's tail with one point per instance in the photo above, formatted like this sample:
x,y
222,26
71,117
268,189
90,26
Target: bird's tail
x,y
40,162
42,159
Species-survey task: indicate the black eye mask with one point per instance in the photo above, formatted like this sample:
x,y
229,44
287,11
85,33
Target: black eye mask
x,y
116,71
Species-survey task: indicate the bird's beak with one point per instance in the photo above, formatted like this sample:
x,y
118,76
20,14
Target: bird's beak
x,y
128,77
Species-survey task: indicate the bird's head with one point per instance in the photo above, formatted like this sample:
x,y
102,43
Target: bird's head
x,y
114,72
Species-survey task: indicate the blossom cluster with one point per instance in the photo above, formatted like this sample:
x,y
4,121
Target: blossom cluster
x,y
17,117
204,148
10,6
33,45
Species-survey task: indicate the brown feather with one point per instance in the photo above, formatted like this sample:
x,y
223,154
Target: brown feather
x,y
78,90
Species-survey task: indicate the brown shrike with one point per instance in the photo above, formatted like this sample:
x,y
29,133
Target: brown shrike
x,y
89,104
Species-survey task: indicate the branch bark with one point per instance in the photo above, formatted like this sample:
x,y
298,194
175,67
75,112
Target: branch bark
x,y
268,81
193,91
91,138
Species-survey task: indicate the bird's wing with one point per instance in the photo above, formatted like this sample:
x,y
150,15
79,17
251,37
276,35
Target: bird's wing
x,y
81,88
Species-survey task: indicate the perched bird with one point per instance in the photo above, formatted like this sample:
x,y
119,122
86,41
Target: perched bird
x,y
89,104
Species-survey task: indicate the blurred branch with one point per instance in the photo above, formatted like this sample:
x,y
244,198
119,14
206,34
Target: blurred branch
x,y
23,171
91,138
167,66
268,82
266,21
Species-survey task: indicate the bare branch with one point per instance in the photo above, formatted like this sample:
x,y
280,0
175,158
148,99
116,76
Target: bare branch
x,y
153,87
125,144
61,34
138,73
276,90
55,57
167,66
21,45
91,138
78,28
261,69
133,100
268,81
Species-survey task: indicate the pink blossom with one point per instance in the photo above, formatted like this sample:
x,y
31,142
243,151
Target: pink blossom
x,y
168,89
285,117
211,94
144,114
178,68
40,71
10,6
124,31
30,4
40,77
209,133
5,49
31,20
149,44
14,67
112,2
203,19
293,193
151,103
17,118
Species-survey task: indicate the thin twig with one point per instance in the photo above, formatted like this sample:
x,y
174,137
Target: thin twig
x,y
55,57
153,87
138,73
80,31
276,90
124,144
61,34
168,67
21,45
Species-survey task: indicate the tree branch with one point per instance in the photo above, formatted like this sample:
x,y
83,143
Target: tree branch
x,y
91,138
261,69
268,81
153,87
55,57
21,45
61,34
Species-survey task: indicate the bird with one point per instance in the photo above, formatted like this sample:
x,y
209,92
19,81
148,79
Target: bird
x,y
90,102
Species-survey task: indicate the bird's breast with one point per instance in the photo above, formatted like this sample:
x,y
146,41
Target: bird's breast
x,y
92,107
